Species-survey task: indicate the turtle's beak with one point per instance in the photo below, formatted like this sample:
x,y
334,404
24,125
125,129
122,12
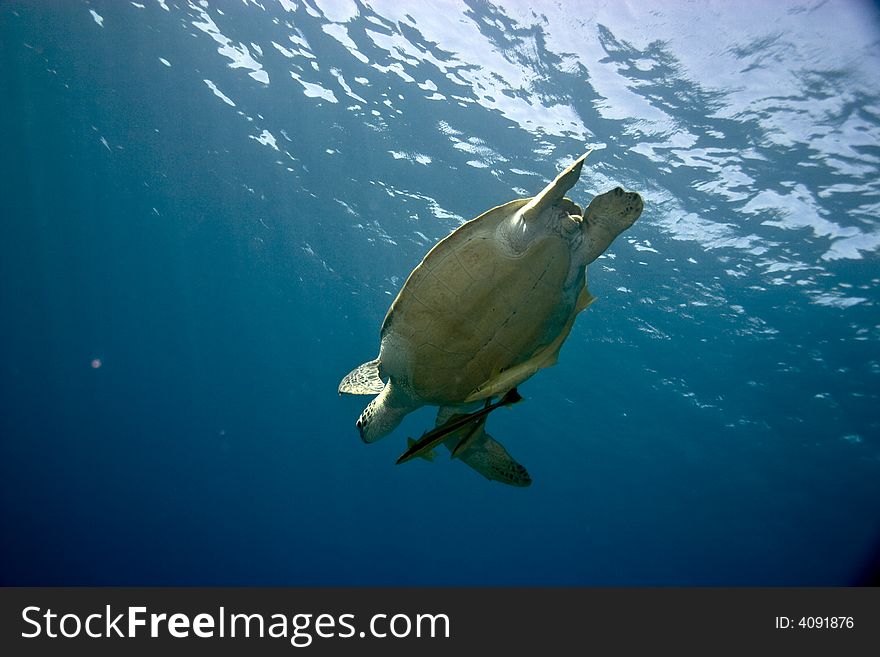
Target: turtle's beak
x,y
638,204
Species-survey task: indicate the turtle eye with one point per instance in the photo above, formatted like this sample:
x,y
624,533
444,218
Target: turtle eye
x,y
570,223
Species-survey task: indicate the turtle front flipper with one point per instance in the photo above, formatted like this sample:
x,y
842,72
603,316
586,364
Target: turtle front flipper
x,y
555,191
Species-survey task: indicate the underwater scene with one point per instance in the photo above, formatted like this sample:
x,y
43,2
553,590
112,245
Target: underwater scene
x,y
209,206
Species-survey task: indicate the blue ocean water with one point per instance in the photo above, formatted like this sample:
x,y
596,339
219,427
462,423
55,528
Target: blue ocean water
x,y
208,206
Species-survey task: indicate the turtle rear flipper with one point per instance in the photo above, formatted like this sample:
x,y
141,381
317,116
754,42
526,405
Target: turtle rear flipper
x,y
462,425
385,412
476,448
488,457
363,380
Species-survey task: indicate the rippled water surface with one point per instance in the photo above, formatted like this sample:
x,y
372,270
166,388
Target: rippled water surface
x,y
208,206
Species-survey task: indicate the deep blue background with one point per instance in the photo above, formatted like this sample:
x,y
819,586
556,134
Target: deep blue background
x,y
225,296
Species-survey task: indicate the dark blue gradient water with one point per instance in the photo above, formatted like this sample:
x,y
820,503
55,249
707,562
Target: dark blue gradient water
x,y
207,207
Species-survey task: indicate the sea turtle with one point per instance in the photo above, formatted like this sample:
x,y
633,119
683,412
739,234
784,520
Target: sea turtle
x,y
489,306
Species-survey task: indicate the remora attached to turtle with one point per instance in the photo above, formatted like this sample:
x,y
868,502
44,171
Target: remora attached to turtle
x,y
489,306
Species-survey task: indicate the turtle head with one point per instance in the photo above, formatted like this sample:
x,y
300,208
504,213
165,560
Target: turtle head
x,y
608,215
